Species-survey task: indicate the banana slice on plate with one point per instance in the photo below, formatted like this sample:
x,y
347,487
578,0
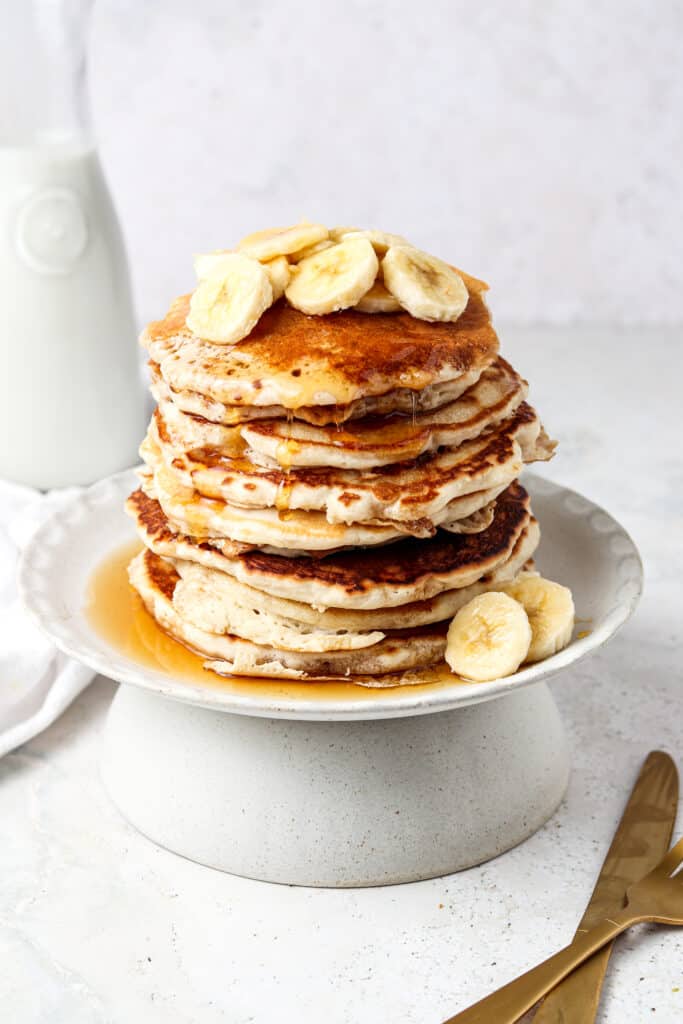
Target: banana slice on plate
x,y
279,272
266,245
550,609
378,300
379,240
228,304
333,279
489,638
425,286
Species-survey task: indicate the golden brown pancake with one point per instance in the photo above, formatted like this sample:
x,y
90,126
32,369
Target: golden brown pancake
x,y
406,571
400,650
360,443
300,531
401,400
379,440
211,597
295,360
417,495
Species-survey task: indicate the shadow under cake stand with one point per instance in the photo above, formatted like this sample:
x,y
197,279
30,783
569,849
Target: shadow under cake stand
x,y
370,787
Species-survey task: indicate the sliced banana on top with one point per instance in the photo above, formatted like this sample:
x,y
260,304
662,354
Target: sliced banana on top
x,y
337,233
266,245
310,250
425,286
489,638
333,279
378,300
379,240
211,264
279,272
319,271
228,304
550,609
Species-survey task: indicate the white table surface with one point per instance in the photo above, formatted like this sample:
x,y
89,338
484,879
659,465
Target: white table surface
x,y
98,924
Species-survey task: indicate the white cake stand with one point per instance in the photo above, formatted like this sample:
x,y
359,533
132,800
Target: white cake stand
x,y
377,787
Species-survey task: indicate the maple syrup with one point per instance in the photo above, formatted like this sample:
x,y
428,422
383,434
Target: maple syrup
x,y
286,450
283,497
583,633
116,611
118,614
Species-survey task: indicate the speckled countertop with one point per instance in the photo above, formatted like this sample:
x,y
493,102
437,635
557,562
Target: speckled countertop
x,y
98,924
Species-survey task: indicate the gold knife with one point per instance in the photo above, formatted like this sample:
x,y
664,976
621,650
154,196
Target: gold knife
x,y
641,840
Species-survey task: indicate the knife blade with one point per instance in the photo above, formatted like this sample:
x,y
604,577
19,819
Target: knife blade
x,y
641,840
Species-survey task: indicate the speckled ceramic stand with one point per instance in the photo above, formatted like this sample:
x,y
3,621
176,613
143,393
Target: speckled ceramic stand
x,y
364,788
336,803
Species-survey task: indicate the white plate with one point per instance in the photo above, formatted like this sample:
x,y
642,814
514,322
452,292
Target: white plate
x,y
582,547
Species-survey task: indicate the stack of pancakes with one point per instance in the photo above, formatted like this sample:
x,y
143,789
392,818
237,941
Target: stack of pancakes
x,y
319,500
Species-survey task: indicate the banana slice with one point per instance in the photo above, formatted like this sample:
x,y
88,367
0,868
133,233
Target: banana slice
x,y
378,300
424,285
226,306
333,279
266,245
337,233
310,250
211,264
380,241
489,638
279,273
550,609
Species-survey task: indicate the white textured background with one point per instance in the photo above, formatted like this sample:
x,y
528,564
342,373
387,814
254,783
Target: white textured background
x,y
537,144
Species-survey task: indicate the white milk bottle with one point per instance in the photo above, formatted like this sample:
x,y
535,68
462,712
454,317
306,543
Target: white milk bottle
x,y
72,405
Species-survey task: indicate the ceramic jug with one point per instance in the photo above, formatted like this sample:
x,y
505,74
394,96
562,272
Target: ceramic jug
x,y
72,405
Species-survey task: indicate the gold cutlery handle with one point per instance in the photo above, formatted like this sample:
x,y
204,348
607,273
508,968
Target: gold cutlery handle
x,y
576,1000
642,838
512,1001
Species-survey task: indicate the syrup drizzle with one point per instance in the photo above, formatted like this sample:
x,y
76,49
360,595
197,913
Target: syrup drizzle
x,y
286,451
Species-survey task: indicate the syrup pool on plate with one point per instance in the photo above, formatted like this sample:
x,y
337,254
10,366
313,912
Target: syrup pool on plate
x,y
117,613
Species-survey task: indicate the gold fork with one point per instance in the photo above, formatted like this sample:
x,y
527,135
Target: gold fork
x,y
658,897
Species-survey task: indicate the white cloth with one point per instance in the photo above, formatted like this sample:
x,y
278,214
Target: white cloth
x,y
37,682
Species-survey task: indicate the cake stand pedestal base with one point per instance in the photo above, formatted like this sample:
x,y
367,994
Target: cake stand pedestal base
x,y
336,803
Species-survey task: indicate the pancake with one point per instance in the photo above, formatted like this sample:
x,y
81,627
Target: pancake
x,y
155,580
474,523
362,444
208,597
421,491
199,599
294,360
298,531
405,572
401,400
378,441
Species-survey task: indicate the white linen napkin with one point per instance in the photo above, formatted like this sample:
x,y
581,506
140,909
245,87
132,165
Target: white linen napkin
x,y
37,682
